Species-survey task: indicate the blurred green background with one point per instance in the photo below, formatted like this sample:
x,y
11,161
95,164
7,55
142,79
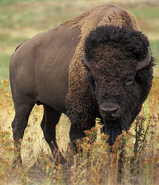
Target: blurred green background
x,y
22,19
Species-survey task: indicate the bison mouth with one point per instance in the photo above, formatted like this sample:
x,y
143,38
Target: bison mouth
x,y
113,128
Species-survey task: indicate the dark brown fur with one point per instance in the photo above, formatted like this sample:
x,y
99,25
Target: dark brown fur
x,y
113,54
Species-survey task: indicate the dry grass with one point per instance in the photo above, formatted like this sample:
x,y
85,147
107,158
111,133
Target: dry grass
x,y
141,155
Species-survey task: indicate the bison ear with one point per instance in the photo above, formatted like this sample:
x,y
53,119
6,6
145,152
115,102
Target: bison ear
x,y
85,60
146,61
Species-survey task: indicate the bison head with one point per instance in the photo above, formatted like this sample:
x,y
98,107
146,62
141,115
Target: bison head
x,y
119,70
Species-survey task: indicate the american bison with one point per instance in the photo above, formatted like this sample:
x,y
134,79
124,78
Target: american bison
x,y
98,64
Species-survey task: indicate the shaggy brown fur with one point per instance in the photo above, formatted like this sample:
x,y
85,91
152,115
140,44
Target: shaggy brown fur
x,y
78,100
114,53
102,15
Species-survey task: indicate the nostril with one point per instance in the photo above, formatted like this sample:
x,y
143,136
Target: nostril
x,y
109,113
116,113
113,113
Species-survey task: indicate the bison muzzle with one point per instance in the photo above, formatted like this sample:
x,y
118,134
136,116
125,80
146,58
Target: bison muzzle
x,y
98,64
110,111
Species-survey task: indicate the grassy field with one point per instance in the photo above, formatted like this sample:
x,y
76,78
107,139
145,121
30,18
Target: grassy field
x,y
20,20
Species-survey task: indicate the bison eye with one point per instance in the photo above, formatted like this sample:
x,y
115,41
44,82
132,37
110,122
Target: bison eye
x,y
95,82
129,81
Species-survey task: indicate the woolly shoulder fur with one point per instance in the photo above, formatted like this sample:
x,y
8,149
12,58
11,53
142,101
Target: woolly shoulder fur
x,y
88,21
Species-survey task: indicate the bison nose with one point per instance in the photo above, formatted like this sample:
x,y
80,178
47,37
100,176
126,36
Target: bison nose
x,y
110,111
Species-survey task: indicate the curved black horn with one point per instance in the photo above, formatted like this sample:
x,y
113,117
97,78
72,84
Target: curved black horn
x,y
146,61
85,60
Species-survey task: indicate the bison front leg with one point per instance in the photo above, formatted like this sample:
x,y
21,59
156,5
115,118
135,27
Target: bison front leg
x,y
76,133
79,124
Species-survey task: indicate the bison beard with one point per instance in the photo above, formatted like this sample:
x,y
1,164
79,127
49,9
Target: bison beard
x,y
113,129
